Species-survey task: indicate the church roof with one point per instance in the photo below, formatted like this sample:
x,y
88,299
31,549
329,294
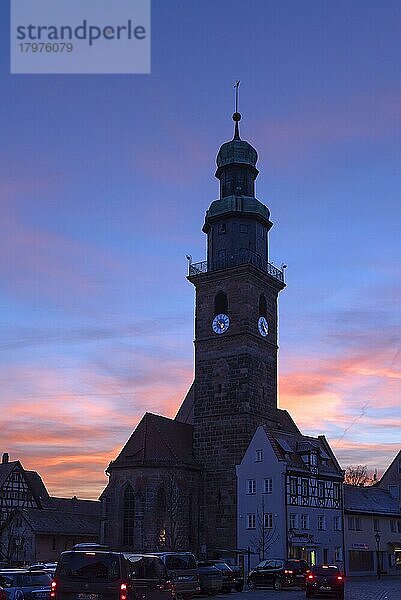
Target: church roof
x,y
370,499
157,441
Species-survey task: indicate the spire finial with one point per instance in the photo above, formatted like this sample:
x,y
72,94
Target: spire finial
x,y
236,115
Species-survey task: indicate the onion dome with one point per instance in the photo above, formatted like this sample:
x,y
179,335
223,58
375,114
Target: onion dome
x,y
236,162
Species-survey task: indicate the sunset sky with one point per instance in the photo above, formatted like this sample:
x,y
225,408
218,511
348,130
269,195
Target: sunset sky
x,y
105,180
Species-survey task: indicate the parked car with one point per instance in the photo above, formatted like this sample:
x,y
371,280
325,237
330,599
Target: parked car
x,y
23,584
182,569
238,577
210,578
228,575
325,580
278,573
107,575
2,594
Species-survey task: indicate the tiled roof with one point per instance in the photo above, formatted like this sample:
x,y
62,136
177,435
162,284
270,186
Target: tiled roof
x,y
290,447
74,505
185,413
56,522
370,499
37,486
157,440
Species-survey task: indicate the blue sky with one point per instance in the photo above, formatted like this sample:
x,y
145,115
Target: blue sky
x,y
105,180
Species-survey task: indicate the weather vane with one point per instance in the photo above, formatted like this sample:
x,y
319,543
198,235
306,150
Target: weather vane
x,y
236,94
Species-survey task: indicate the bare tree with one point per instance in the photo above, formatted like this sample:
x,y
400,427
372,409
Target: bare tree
x,y
172,511
358,475
12,541
265,537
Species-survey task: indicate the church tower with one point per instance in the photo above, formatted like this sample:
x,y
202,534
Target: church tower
x,y
235,387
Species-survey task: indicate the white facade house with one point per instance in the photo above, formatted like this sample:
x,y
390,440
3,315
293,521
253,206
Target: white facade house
x,y
290,499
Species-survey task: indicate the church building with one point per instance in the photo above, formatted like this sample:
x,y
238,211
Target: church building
x,y
173,485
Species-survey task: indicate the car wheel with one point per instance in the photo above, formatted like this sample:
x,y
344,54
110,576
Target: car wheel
x,y
277,585
251,584
19,595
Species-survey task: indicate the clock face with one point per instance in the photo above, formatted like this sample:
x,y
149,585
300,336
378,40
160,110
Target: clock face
x,y
263,326
220,323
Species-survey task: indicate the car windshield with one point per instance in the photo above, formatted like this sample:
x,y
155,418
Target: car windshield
x,y
89,566
325,570
147,567
177,562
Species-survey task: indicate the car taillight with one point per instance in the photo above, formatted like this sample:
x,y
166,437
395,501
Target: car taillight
x,y
310,576
53,589
339,577
123,591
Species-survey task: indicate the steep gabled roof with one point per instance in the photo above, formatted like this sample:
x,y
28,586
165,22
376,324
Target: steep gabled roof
x,y
370,499
157,441
57,522
291,446
37,486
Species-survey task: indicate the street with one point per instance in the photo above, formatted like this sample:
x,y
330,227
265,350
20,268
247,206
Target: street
x,y
387,589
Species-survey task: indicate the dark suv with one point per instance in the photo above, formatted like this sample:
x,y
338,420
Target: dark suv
x,y
325,580
105,575
278,573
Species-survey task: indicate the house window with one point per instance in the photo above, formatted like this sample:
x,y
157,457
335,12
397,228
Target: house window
x,y
336,491
338,554
351,523
251,521
358,525
268,485
304,521
376,524
399,526
268,522
313,459
321,523
393,526
243,228
259,456
293,521
293,485
305,487
320,489
251,486
337,523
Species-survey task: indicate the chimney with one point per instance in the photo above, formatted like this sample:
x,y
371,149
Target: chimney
x,y
5,458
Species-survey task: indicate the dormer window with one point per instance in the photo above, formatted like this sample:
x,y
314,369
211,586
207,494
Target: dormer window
x,y
313,459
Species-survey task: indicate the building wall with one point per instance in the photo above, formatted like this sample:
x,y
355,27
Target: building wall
x,y
154,528
361,546
275,545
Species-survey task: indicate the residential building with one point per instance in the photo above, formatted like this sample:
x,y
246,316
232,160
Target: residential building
x,y
372,517
289,489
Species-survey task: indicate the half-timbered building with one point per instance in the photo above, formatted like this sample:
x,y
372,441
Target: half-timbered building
x,y
290,498
19,488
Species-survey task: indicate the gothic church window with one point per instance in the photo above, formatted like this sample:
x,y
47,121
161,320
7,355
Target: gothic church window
x,y
128,516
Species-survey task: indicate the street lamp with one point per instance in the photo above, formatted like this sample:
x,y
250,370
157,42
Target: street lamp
x,y
377,538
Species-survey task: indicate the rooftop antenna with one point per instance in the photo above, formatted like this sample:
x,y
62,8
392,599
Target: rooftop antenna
x,y
236,115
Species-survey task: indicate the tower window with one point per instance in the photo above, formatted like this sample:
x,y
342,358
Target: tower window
x,y
222,228
243,228
220,303
128,516
262,306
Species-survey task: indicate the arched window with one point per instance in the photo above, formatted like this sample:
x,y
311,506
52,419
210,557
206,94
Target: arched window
x,y
220,303
128,516
262,306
